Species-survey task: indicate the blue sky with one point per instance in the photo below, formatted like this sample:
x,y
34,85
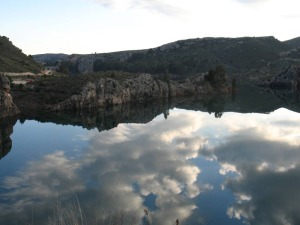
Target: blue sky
x,y
88,26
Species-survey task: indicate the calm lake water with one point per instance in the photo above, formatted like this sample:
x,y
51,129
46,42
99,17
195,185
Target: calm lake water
x,y
238,164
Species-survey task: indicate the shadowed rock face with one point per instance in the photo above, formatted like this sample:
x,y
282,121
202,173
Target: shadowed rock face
x,y
7,107
5,84
290,78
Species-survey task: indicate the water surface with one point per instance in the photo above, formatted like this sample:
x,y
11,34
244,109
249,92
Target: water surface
x,y
181,165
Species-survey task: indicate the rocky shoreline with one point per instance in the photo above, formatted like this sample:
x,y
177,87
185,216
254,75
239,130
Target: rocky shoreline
x,y
61,95
144,88
90,93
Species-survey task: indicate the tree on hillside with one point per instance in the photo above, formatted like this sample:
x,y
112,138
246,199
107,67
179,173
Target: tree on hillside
x,y
216,77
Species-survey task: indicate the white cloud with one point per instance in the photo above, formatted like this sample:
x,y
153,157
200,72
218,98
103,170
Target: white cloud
x,y
252,1
155,6
226,168
115,160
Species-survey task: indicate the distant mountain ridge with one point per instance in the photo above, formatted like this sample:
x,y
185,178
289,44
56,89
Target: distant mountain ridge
x,y
50,59
12,59
188,57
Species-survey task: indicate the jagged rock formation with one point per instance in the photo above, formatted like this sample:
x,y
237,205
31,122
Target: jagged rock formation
x,y
290,78
7,106
144,88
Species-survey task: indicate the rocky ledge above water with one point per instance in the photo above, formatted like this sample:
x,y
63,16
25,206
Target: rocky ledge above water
x,y
7,106
141,89
290,78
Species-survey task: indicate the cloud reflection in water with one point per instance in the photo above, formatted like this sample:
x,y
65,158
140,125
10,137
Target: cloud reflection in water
x,y
152,156
265,153
122,166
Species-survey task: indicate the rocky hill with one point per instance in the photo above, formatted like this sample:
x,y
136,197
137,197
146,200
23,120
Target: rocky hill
x,y
12,59
250,55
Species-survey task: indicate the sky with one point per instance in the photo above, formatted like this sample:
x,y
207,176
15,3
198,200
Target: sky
x,y
89,26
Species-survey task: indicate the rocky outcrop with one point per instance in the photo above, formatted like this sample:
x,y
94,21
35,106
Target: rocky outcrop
x,y
7,107
141,89
290,78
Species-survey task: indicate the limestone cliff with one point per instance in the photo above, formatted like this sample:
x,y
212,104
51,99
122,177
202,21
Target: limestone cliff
x,y
144,88
7,107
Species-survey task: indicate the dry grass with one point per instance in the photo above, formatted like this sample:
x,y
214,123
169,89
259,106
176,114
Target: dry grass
x,y
69,212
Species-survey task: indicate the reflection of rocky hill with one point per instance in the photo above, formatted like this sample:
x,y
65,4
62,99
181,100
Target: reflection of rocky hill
x,y
253,99
286,98
104,118
250,99
6,129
